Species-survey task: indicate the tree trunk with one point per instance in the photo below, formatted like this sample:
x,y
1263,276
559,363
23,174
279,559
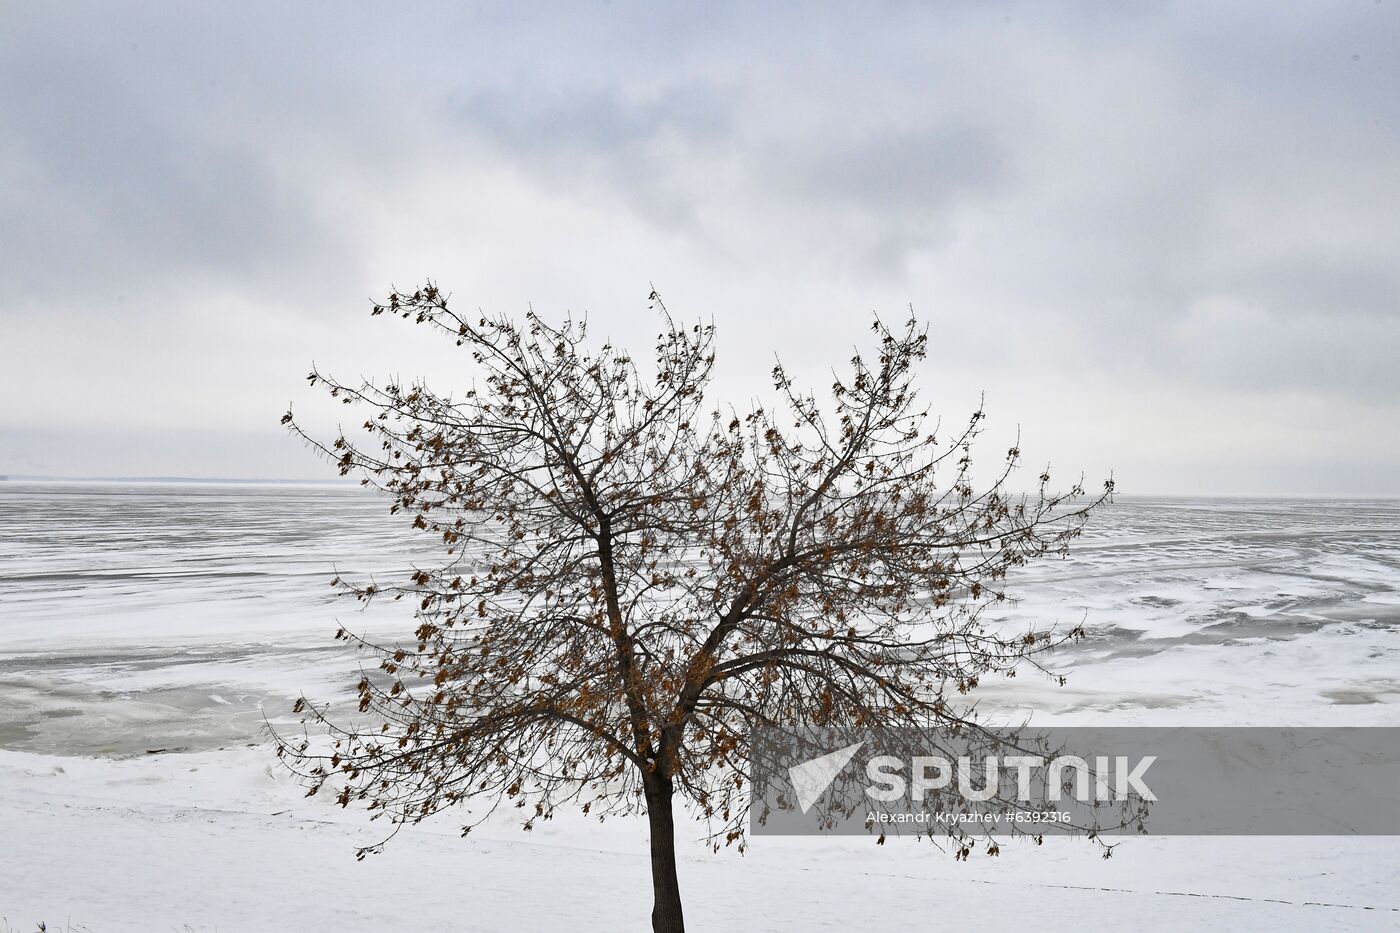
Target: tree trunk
x,y
666,891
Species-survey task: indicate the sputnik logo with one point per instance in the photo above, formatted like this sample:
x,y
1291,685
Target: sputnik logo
x,y
811,778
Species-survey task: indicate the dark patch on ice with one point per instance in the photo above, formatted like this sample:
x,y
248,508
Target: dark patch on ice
x,y
1350,697
151,658
1109,633
1156,602
76,719
1232,627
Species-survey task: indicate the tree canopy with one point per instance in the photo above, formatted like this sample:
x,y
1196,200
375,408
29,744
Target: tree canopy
x,y
634,578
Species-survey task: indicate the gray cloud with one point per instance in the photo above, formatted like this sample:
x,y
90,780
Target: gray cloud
x,y
1189,203
131,184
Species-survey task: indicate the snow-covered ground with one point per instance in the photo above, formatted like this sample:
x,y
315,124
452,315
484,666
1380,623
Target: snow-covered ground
x,y
212,840
135,618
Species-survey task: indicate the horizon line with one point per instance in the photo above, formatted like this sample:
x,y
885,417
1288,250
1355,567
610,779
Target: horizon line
x,y
175,480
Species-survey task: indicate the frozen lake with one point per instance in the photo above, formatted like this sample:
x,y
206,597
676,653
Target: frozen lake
x,y
178,610
136,617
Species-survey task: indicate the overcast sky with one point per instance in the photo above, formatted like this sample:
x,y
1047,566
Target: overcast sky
x,y
1163,240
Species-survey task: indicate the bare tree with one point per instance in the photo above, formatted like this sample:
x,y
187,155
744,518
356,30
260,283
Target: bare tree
x,y
633,581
